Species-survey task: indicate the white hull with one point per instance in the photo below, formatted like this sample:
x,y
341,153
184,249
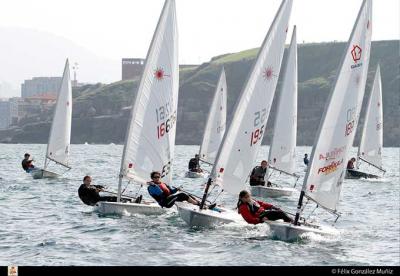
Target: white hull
x,y
289,232
194,174
41,173
206,218
265,192
121,208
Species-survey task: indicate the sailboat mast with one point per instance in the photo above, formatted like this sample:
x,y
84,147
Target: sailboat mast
x,y
241,105
131,121
203,200
283,103
367,137
56,115
328,102
210,115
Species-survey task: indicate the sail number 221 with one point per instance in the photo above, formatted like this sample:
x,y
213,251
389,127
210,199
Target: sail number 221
x,y
259,124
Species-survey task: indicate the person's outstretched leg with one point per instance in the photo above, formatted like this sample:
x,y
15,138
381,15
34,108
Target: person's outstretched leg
x,y
275,215
108,198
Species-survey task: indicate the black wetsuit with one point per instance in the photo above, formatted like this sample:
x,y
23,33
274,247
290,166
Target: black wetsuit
x,y
257,176
194,165
26,165
275,215
90,196
305,160
165,195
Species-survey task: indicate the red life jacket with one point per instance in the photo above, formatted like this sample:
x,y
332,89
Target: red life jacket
x,y
164,188
256,209
251,212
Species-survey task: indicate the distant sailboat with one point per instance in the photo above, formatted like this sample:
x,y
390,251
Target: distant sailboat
x,y
150,139
215,126
334,140
243,138
58,145
282,153
370,149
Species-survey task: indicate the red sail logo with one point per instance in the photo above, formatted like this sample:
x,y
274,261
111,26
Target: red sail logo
x,y
159,74
356,53
268,73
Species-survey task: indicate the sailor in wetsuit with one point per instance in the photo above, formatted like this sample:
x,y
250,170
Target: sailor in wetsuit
x,y
194,164
258,173
305,159
89,194
254,211
27,163
167,196
351,171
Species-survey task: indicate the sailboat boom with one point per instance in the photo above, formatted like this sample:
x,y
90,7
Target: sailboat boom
x,y
373,165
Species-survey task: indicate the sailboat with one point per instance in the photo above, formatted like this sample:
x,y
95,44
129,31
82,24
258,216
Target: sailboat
x,y
323,181
58,145
150,137
243,138
215,126
370,149
282,153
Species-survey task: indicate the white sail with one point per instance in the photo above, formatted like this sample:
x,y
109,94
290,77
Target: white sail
x,y
216,122
60,132
337,128
282,153
150,137
370,149
243,138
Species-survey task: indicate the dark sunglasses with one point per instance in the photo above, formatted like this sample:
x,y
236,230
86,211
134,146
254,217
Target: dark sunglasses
x,y
156,177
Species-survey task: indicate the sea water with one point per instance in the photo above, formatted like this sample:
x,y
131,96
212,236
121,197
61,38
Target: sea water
x,y
43,222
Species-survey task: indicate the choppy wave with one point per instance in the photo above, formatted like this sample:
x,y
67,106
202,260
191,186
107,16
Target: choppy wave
x,y
44,222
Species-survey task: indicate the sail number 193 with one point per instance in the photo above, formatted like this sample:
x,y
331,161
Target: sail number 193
x,y
259,124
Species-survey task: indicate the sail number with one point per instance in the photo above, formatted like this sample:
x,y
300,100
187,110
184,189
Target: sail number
x,y
220,127
163,112
259,124
165,119
350,121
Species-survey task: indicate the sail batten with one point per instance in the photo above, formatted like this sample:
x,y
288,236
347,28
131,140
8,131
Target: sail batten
x,y
243,138
216,123
370,149
282,153
150,139
335,135
60,131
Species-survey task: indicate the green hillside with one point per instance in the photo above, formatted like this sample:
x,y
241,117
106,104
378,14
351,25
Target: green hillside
x,y
100,114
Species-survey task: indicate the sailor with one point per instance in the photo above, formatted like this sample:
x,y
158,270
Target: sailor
x,y
167,196
194,164
258,173
350,164
27,163
305,159
254,211
89,194
351,170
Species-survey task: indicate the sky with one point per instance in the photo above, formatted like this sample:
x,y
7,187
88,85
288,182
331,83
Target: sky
x,y
123,28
